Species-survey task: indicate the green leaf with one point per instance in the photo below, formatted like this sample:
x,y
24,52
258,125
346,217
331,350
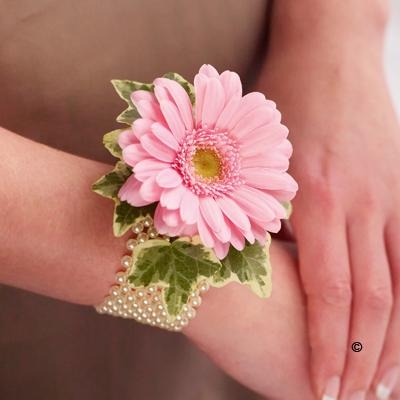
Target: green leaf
x,y
109,184
250,266
110,141
128,116
178,266
124,88
126,215
184,83
288,207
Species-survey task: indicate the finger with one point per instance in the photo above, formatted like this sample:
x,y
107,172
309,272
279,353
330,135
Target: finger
x,y
325,275
388,373
372,302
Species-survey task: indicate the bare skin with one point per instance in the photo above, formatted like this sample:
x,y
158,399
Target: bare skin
x,y
261,343
325,71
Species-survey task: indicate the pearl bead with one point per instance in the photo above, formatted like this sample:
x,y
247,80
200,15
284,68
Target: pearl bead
x,y
142,237
138,227
140,293
152,232
120,277
125,289
204,287
145,302
130,244
130,298
191,313
147,221
114,291
195,301
126,261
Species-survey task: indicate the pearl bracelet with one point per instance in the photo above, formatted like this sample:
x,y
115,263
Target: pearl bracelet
x,y
146,304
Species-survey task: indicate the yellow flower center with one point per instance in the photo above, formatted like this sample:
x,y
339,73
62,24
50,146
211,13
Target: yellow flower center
x,y
206,163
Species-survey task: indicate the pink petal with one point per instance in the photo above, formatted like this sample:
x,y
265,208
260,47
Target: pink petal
x,y
231,209
130,192
285,148
221,249
189,230
164,135
228,112
224,234
231,84
148,167
260,234
171,217
237,239
247,104
141,126
211,213
205,232
126,138
178,95
150,110
168,178
156,148
189,207
265,178
171,197
146,104
253,203
274,226
200,84
214,101
159,223
271,160
150,191
254,119
264,136
281,195
139,95
134,153
209,70
173,118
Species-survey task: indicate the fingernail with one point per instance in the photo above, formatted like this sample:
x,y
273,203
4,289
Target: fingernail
x,y
332,388
359,395
387,384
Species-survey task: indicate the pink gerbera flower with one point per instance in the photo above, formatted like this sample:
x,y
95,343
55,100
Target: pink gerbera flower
x,y
217,169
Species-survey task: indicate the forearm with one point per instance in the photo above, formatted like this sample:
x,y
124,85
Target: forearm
x,y
55,234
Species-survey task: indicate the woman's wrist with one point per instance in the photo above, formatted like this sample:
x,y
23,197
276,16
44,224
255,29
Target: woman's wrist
x,y
55,233
329,28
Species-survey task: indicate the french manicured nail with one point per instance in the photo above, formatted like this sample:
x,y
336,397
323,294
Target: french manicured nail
x,y
387,384
332,388
359,395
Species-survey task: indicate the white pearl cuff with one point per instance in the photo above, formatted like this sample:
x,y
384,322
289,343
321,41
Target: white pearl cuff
x,y
146,304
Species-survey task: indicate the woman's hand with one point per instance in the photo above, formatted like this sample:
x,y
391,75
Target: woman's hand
x,y
330,86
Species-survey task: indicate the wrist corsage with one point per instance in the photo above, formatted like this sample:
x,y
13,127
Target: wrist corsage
x,y
200,182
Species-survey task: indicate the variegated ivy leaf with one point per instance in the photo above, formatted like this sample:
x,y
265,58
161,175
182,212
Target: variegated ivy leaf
x,y
124,88
110,141
128,116
126,215
288,207
109,184
178,267
183,82
251,266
